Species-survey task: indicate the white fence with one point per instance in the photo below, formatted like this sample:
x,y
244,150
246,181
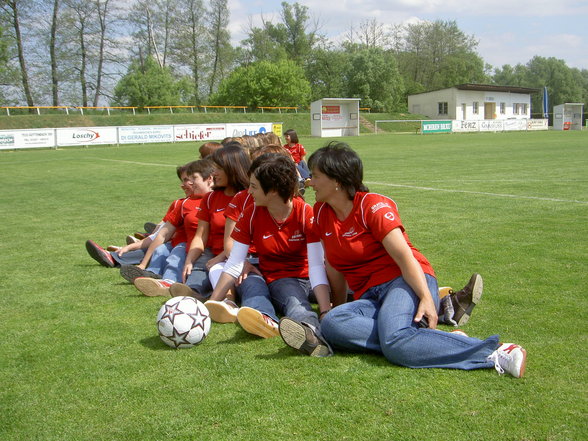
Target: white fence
x,y
457,126
85,136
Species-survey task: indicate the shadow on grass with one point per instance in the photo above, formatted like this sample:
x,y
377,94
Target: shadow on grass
x,y
154,343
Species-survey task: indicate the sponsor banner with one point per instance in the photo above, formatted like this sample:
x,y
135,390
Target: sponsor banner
x,y
331,110
199,132
235,130
537,124
86,136
145,134
491,125
23,139
277,129
436,126
515,124
466,126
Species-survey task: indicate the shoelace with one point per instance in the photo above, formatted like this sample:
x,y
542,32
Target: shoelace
x,y
496,357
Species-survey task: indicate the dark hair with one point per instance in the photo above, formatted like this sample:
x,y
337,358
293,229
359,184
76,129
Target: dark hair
x,y
235,162
276,172
179,170
293,135
339,162
204,167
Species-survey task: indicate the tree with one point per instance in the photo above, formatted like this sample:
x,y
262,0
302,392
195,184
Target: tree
x,y
13,8
373,76
326,70
147,84
264,83
219,41
189,46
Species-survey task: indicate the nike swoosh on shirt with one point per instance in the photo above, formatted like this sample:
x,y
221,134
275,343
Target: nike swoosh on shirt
x,y
268,236
219,209
328,234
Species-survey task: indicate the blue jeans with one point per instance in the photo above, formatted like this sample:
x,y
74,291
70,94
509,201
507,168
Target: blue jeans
x,y
131,258
382,320
159,257
198,278
287,296
173,265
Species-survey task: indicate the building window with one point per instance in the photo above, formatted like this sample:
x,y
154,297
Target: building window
x,y
476,108
443,108
524,109
502,108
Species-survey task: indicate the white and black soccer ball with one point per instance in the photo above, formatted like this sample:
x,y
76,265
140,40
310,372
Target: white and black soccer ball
x,y
183,322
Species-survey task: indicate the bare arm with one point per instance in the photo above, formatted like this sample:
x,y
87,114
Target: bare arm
x,y
338,285
163,235
412,273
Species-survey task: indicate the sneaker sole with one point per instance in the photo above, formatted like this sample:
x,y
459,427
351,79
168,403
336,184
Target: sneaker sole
x,y
523,364
151,288
220,314
181,289
132,272
476,296
95,253
294,335
253,322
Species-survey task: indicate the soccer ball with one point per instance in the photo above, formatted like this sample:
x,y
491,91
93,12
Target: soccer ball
x,y
183,322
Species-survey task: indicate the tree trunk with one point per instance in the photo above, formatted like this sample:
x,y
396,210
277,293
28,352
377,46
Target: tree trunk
x,y
102,14
53,56
21,59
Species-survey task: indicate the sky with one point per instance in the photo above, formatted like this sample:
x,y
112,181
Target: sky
x,y
508,32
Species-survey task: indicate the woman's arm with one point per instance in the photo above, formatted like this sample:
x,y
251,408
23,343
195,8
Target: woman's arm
x,y
163,235
318,276
338,285
232,270
196,247
413,274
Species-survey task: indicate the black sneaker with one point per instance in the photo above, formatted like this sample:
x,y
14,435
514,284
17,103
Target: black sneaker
x,y
465,300
303,338
99,254
149,227
131,272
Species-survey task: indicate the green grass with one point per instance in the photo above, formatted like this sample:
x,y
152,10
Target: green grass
x,y
80,358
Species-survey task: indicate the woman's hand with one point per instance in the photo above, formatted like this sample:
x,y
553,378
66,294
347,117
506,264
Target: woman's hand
x,y
187,271
427,309
247,268
216,259
122,250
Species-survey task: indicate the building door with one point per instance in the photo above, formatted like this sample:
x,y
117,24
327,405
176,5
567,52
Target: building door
x,y
489,110
463,111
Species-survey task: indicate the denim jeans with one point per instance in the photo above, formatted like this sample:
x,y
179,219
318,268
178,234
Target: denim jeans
x,y
131,258
198,278
287,296
159,257
174,263
382,320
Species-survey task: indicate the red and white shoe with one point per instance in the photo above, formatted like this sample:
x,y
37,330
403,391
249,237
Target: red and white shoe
x,y
153,287
99,254
257,323
510,358
459,332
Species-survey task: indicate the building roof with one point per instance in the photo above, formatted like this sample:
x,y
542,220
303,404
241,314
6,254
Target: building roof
x,y
490,88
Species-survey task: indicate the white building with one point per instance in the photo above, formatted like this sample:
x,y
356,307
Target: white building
x,y
474,102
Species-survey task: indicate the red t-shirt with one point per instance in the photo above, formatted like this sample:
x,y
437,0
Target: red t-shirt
x,y
297,151
354,246
212,210
281,248
179,216
238,204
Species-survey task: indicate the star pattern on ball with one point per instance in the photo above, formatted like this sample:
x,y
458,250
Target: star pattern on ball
x,y
179,338
171,311
198,319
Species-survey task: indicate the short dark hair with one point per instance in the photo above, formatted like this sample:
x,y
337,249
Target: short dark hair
x,y
179,170
202,166
235,162
293,135
339,162
276,172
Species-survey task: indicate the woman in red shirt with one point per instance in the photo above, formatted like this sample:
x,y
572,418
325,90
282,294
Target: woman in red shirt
x,y
291,262
395,289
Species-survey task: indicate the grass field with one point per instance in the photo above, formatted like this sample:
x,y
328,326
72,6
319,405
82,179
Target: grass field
x,y
80,358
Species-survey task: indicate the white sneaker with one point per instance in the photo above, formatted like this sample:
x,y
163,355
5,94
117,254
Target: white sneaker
x,y
510,358
257,323
222,312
